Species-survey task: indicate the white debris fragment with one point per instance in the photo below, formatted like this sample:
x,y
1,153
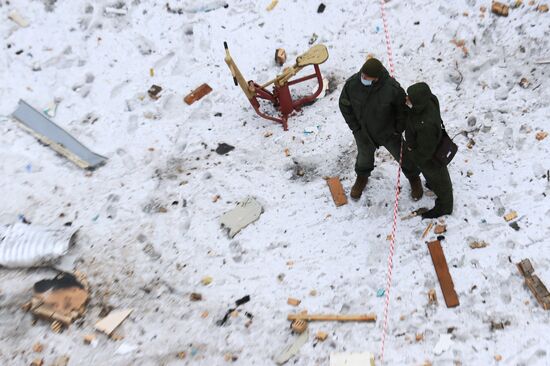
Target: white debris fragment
x,y
110,10
27,246
443,344
18,18
292,349
244,214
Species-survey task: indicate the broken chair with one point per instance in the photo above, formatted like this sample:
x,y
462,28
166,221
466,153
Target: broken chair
x,y
281,96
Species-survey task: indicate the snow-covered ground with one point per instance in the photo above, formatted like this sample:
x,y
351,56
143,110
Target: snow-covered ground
x,y
97,66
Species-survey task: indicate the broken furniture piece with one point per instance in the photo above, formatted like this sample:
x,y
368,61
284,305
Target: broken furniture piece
x,y
55,137
534,283
351,359
281,96
333,317
31,246
108,324
337,191
197,94
246,212
62,299
443,275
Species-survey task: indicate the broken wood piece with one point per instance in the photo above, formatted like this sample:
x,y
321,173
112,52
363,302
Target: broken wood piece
x,y
478,244
500,9
89,338
299,326
337,191
543,8
427,230
154,91
351,359
432,297
108,324
293,302
534,283
525,268
56,326
37,362
195,296
38,347
280,56
272,5
541,135
443,275
510,216
18,18
333,317
321,336
440,229
539,290
197,94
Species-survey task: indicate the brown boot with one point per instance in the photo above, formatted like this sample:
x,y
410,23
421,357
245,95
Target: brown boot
x,y
358,186
416,188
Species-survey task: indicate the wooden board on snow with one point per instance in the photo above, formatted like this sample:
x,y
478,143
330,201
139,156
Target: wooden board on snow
x,y
442,270
337,191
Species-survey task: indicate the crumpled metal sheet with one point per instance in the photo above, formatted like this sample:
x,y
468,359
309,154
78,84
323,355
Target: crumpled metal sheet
x,y
244,214
30,246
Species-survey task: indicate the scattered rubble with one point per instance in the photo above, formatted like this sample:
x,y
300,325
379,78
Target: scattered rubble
x,y
61,300
534,283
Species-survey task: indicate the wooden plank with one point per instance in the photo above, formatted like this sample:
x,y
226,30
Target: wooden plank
x,y
108,324
534,283
525,268
337,191
443,275
334,317
197,94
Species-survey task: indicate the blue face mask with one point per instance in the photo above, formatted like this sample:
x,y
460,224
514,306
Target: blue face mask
x,y
366,82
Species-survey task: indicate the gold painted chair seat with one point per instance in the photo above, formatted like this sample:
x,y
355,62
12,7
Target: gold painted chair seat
x,y
316,55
